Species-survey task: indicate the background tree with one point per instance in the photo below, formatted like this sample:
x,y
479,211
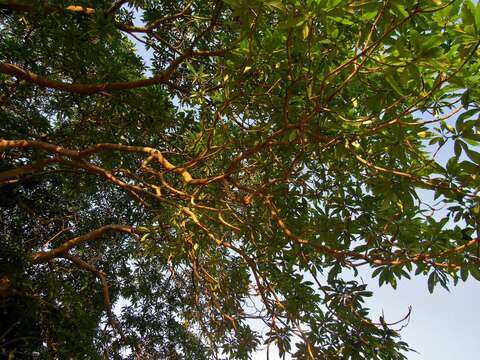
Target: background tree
x,y
276,146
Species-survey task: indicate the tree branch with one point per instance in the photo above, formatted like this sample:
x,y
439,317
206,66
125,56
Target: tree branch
x,y
25,170
86,89
106,295
77,155
343,255
116,6
26,7
44,256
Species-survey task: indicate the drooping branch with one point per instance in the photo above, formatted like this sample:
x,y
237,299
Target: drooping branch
x,y
81,264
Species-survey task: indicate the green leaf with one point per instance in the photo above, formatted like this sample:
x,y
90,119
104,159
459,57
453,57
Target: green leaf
x,y
399,9
458,148
420,268
432,280
385,276
464,116
474,156
377,271
470,167
341,20
477,17
468,11
465,98
394,84
464,273
276,4
474,271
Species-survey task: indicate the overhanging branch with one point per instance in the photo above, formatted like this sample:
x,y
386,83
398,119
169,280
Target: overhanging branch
x,y
44,256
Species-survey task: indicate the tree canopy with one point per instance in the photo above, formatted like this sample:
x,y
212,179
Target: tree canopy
x,y
234,176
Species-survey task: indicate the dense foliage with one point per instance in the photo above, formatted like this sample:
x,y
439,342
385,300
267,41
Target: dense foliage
x,y
233,176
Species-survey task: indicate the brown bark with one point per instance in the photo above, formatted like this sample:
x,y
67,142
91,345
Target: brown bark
x,y
44,256
20,6
24,170
26,7
86,89
76,154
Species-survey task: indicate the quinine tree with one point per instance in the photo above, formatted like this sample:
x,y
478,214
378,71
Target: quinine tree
x,y
267,152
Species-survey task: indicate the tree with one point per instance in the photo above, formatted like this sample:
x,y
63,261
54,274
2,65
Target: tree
x,y
275,148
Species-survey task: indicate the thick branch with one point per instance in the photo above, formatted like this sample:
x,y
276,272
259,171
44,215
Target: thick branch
x,y
42,257
76,155
31,77
25,170
87,89
20,6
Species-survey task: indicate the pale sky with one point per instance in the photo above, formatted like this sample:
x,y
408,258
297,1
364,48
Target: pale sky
x,y
443,325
